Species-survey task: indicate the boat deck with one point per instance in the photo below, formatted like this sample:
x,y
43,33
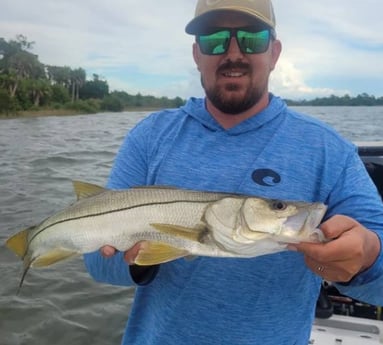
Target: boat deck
x,y
346,330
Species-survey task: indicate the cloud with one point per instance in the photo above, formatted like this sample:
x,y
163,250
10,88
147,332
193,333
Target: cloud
x,y
289,81
328,47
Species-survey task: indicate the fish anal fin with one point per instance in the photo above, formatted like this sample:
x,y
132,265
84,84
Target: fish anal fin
x,y
193,234
18,243
154,253
86,190
51,257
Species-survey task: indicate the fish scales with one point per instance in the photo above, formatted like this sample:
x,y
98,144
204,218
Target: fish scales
x,y
86,221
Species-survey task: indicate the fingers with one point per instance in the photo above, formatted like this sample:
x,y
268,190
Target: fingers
x,y
107,251
334,228
129,255
337,225
350,250
340,271
339,249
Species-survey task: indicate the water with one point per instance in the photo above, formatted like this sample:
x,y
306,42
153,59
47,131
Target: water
x,y
354,123
39,158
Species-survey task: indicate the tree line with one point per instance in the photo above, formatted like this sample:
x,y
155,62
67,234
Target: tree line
x,y
363,99
28,84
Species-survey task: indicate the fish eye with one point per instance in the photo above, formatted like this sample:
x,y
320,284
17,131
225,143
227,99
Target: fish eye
x,y
278,205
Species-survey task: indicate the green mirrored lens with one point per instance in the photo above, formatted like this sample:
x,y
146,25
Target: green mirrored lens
x,y
249,42
215,43
253,42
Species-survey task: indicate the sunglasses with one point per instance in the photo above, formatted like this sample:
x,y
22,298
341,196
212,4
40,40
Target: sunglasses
x,y
249,40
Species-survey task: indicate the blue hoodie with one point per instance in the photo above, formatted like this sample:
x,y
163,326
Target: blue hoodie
x,y
266,300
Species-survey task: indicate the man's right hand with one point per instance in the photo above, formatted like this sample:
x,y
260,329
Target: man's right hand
x,y
129,256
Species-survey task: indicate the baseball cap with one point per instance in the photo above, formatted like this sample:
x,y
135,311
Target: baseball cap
x,y
260,10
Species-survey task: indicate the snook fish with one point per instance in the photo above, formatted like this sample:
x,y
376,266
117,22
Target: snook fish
x,y
174,223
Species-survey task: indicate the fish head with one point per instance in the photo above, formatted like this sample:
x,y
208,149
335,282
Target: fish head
x,y
286,221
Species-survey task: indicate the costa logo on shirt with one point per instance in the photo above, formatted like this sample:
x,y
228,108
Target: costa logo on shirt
x,y
266,177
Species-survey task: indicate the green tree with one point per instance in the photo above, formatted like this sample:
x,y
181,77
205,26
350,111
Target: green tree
x,y
60,94
59,75
77,80
95,88
7,104
112,103
39,90
18,64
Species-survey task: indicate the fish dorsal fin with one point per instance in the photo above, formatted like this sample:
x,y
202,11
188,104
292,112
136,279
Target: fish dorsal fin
x,y
18,243
194,234
154,253
86,190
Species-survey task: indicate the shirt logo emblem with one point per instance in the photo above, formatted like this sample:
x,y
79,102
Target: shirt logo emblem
x,y
266,177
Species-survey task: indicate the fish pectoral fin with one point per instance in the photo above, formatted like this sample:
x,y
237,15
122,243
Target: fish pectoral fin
x,y
154,253
52,257
86,190
18,243
193,234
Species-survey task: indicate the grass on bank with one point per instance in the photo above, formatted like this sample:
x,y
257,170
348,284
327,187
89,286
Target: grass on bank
x,y
91,106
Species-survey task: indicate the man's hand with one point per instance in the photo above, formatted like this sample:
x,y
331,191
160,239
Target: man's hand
x,y
351,249
141,275
129,256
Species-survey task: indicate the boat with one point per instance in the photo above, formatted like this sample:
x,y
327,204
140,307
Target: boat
x,y
339,319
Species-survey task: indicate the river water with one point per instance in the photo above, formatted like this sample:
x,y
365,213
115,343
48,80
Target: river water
x,y
39,157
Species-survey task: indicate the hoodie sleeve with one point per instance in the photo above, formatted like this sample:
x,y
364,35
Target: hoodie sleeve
x,y
355,195
129,169
112,270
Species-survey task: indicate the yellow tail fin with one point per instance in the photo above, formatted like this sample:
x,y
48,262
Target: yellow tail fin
x,y
18,243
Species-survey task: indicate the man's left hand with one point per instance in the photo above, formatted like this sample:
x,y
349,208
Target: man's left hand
x,y
351,249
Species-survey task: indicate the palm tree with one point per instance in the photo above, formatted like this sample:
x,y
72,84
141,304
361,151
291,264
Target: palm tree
x,y
38,89
78,78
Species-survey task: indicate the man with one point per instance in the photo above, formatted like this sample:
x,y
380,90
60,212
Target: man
x,y
243,139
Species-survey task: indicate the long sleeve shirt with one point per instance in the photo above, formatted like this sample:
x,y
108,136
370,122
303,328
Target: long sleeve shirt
x,y
278,153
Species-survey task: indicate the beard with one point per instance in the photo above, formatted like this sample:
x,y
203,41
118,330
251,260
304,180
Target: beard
x,y
226,98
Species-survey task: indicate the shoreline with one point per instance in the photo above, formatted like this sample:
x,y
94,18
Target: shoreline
x,y
65,112
38,113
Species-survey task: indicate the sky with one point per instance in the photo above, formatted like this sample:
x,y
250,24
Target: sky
x,y
329,47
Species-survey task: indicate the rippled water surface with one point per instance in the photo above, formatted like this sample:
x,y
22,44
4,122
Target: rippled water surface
x,y
38,159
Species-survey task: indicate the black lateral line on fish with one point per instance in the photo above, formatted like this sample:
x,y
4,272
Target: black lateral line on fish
x,y
113,211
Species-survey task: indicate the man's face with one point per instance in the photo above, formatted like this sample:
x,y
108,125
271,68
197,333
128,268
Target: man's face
x,y
234,82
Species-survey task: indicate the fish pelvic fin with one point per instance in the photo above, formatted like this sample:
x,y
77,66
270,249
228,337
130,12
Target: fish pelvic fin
x,y
154,253
193,234
86,190
18,243
51,257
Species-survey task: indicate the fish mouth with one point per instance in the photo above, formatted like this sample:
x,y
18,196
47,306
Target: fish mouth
x,y
303,226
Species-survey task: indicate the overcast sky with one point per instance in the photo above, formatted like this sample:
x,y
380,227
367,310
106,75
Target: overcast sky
x,y
329,47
